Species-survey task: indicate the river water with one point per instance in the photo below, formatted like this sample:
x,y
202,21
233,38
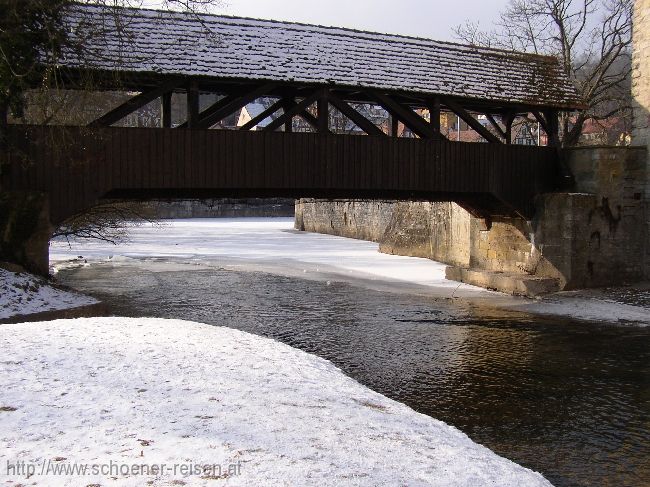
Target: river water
x,y
568,399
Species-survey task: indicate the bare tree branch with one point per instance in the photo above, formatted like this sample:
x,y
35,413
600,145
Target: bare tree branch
x,y
591,38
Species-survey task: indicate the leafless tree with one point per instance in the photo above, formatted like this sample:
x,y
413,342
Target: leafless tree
x,y
591,38
109,222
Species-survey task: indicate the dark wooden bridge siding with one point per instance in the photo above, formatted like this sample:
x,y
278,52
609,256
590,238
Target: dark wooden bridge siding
x,y
78,166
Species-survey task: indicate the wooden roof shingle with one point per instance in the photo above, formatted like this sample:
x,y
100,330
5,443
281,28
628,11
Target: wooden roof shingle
x,y
174,43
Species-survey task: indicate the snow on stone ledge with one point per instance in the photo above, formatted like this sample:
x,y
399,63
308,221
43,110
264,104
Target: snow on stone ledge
x,y
151,391
24,294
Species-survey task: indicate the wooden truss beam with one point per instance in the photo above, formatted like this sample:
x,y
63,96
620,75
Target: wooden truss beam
x,y
496,126
394,126
434,113
317,122
407,116
311,120
323,112
359,120
166,110
133,104
287,105
253,122
292,111
218,105
230,106
471,121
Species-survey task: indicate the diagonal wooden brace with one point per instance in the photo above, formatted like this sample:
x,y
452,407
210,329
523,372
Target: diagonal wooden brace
x,y
359,120
207,120
407,116
133,104
471,121
296,109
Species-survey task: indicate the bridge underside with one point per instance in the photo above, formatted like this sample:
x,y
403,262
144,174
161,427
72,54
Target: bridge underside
x,y
78,166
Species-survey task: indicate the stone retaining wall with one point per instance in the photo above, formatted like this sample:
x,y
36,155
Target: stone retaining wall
x,y
435,230
218,208
364,220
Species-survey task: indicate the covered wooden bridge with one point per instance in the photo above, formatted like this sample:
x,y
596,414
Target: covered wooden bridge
x,y
299,72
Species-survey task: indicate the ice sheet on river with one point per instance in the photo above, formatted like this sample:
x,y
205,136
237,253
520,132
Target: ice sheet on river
x,y
273,241
151,392
262,240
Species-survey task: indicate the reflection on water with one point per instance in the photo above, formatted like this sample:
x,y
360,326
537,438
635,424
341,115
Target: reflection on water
x,y
571,400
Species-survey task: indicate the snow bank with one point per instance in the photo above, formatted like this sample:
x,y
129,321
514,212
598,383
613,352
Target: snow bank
x,y
116,393
24,294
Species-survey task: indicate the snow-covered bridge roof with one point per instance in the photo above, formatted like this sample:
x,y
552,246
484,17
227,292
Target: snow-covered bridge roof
x,y
173,43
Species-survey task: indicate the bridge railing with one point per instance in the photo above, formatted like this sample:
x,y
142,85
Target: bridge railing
x,y
77,166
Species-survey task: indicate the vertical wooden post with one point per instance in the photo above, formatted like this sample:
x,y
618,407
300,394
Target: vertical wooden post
x,y
166,110
434,114
288,125
323,113
508,120
394,126
553,128
193,104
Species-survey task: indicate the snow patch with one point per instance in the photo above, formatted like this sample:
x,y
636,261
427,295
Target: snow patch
x,y
24,294
153,391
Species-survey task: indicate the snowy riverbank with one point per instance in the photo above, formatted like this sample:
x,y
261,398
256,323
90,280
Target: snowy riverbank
x,y
120,393
271,244
24,294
